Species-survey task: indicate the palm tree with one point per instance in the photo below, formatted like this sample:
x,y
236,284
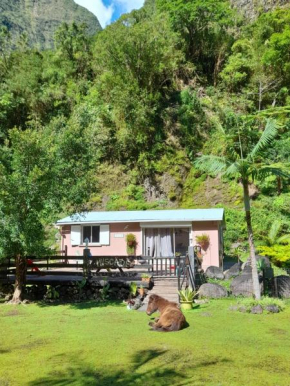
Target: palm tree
x,y
246,169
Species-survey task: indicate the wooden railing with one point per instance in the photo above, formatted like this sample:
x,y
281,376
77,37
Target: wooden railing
x,y
92,265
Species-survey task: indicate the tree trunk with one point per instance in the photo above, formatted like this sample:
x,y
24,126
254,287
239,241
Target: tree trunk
x,y
255,277
19,279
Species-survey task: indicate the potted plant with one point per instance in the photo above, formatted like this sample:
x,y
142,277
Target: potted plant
x,y
131,243
145,277
141,291
186,298
203,241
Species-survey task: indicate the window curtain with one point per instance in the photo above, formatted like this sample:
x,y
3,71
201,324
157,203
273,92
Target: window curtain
x,y
159,242
150,242
166,243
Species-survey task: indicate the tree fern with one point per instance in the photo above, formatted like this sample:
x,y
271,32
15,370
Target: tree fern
x,y
268,135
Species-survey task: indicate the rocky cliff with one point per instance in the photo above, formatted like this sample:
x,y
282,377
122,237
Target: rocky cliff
x,y
40,18
252,8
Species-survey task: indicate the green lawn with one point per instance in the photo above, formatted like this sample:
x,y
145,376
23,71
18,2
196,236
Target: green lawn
x,y
109,345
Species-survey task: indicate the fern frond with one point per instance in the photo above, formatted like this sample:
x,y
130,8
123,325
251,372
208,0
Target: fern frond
x,y
211,164
274,230
285,239
268,135
269,170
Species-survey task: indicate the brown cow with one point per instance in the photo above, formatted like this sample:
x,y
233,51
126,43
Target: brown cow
x,y
171,318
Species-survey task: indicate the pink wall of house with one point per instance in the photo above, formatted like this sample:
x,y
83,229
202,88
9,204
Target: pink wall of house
x,y
118,247
211,228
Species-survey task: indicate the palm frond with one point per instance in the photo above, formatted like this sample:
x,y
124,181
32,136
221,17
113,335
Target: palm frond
x,y
211,164
268,134
274,230
285,239
269,170
233,170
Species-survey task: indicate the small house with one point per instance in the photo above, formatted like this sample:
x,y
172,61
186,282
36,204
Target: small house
x,y
158,233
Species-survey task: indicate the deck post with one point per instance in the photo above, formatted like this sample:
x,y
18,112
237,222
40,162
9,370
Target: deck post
x,y
86,263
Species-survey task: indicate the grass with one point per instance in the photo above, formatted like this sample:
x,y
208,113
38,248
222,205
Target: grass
x,y
89,344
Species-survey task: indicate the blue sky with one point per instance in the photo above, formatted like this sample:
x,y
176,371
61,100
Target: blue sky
x,y
109,10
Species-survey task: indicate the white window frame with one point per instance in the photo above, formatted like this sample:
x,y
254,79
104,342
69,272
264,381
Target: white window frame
x,y
82,234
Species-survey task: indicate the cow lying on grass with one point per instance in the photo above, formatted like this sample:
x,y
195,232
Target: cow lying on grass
x,y
171,318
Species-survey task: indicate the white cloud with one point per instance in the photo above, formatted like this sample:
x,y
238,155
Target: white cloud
x,y
103,13
128,5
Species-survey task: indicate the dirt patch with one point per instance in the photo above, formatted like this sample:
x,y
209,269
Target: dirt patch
x,y
12,313
30,345
277,331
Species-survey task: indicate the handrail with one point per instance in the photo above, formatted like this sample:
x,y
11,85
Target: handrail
x,y
187,271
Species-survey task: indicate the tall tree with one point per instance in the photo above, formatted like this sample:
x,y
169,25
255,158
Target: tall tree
x,y
40,174
246,168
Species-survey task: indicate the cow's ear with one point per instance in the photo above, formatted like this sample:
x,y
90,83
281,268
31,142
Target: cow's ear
x,y
152,297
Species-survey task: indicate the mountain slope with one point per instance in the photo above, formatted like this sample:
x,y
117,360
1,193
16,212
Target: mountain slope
x,y
252,8
40,18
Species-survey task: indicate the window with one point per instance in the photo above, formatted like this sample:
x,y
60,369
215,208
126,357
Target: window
x,y
92,233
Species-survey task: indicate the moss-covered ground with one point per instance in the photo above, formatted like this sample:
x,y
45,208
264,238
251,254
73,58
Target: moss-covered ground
x,y
89,344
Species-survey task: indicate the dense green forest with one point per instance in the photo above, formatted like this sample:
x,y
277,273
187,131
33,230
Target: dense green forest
x,y
119,119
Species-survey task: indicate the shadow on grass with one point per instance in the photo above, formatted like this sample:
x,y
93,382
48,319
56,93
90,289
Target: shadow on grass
x,y
84,305
163,373
4,351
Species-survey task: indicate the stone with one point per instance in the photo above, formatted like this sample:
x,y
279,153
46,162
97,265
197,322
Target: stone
x,y
272,308
258,257
214,291
243,285
233,271
243,309
258,309
281,286
200,301
247,270
233,308
137,304
213,272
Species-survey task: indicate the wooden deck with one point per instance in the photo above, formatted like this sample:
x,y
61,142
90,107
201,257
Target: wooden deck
x,y
101,269
50,279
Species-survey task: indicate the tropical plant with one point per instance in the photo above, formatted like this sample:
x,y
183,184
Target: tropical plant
x,y
51,293
145,276
203,240
245,168
104,292
261,265
80,285
131,243
133,288
273,237
278,254
187,295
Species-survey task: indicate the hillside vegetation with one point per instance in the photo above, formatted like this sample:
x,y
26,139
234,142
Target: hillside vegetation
x,y
149,94
39,19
